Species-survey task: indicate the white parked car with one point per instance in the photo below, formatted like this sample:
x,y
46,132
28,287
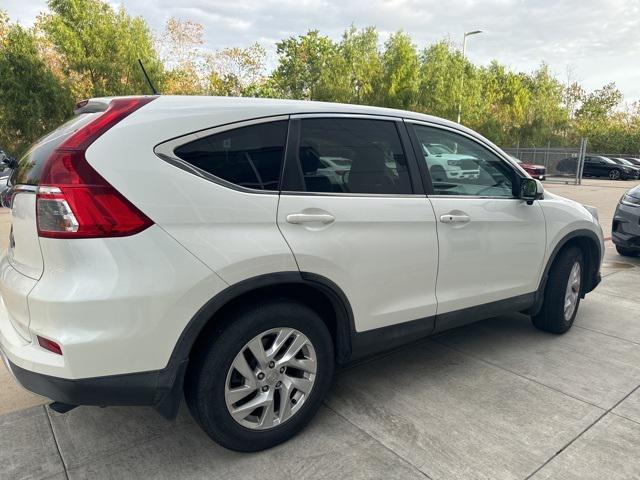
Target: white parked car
x,y
445,163
163,245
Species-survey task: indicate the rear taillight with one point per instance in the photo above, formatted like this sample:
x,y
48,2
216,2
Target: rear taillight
x,y
75,201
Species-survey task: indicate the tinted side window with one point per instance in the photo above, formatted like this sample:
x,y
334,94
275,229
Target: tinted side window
x,y
459,166
249,156
348,155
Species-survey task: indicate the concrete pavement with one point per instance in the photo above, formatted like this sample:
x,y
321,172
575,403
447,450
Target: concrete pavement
x,y
493,400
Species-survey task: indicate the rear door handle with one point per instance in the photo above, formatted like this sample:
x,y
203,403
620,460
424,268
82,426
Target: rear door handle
x,y
298,218
449,218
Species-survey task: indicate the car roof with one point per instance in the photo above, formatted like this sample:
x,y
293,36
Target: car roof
x,y
292,107
233,109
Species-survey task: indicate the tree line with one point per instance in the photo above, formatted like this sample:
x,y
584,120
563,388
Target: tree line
x,y
85,48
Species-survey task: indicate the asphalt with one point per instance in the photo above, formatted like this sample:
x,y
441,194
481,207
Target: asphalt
x,y
493,400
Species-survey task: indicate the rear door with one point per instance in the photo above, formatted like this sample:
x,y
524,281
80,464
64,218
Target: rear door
x,y
371,231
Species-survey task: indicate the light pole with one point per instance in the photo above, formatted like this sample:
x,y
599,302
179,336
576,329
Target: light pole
x,y
464,47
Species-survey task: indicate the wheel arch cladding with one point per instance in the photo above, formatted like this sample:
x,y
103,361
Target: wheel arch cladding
x,y
314,291
588,243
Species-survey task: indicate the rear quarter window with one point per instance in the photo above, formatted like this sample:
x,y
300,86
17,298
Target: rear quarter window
x,y
249,157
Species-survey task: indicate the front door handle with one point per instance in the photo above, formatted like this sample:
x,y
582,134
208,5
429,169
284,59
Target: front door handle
x,y
449,218
298,218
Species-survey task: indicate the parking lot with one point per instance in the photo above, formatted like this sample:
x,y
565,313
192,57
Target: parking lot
x,y
494,400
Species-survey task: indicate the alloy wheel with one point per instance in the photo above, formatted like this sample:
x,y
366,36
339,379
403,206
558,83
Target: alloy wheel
x,y
572,292
270,378
614,174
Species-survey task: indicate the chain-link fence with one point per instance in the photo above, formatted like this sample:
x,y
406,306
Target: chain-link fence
x,y
562,165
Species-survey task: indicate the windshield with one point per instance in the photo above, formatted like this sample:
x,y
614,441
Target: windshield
x,y
608,160
625,162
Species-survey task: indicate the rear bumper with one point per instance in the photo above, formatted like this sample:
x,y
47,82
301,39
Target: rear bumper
x,y
161,389
115,306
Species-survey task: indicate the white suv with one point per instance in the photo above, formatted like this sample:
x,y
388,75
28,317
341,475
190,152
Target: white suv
x,y
163,245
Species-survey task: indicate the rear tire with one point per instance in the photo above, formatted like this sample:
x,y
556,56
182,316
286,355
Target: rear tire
x,y
212,379
626,252
562,293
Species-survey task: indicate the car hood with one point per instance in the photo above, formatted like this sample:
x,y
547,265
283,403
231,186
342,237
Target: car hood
x,y
555,196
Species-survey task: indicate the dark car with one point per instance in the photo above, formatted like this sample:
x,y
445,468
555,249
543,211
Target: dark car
x,y
624,161
597,166
635,161
625,231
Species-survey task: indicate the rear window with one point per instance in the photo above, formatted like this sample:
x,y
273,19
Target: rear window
x,y
30,165
250,157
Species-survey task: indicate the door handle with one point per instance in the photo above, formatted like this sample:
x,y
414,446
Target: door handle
x,y
298,218
449,218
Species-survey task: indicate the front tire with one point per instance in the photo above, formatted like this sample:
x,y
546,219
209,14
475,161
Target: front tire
x,y
562,293
261,379
614,174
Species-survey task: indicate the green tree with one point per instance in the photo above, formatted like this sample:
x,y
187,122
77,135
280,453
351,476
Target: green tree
x,y
361,70
441,70
507,102
547,117
32,99
400,73
102,46
600,104
304,66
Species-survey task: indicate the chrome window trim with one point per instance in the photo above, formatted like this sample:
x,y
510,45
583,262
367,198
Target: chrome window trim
x,y
166,151
480,142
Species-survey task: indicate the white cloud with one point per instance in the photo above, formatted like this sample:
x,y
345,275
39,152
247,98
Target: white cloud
x,y
598,39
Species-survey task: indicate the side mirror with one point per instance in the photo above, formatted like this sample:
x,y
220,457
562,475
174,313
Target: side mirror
x,y
530,190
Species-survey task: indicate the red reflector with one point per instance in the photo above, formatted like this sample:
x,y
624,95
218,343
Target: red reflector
x,y
75,201
49,345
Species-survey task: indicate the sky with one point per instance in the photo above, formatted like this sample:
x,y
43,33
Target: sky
x,y
591,41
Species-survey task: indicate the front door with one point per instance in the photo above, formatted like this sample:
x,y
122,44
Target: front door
x,y
350,213
491,244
